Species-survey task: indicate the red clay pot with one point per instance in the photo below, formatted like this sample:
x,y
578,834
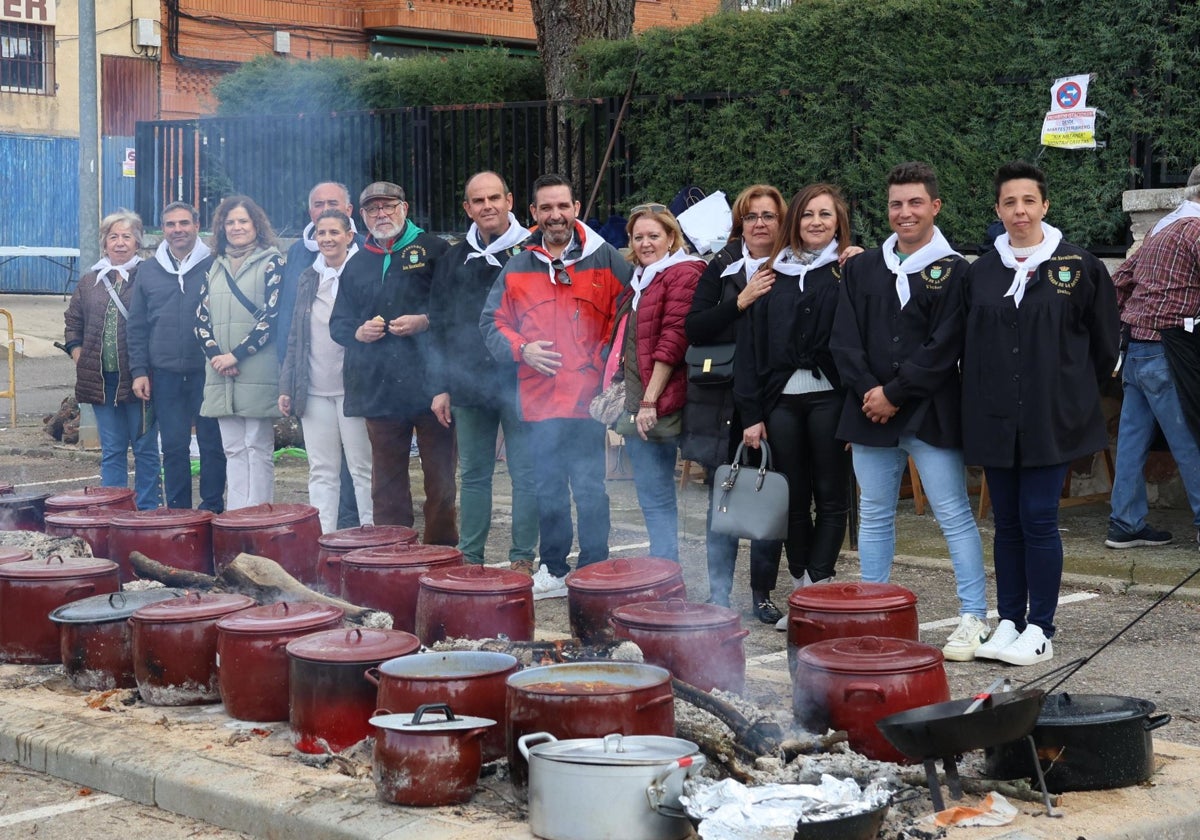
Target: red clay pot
x,y
594,591
89,524
179,538
286,534
473,602
388,577
114,498
851,683
11,554
428,758
31,589
844,610
700,644
252,662
337,544
175,647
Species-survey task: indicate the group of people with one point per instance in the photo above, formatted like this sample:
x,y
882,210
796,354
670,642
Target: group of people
x,y
844,359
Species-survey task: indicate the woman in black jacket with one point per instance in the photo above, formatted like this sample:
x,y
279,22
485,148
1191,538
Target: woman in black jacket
x,y
734,279
786,386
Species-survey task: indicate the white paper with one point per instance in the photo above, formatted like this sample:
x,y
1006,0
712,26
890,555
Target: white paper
x,y
707,222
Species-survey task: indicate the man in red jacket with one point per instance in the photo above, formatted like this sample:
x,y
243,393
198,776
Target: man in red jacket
x,y
551,311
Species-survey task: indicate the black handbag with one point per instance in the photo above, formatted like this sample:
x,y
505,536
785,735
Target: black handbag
x,y
710,364
747,502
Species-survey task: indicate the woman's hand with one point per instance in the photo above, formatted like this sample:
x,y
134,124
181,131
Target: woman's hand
x,y
759,285
225,364
285,405
848,252
647,419
754,435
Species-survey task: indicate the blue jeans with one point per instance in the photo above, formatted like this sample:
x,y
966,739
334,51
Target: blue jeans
x,y
118,427
1149,396
878,470
476,429
1027,549
177,398
653,463
572,464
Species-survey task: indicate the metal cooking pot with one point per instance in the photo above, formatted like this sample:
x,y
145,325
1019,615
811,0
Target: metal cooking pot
x,y
427,762
700,644
861,826
625,787
337,544
31,589
176,537
22,511
116,498
594,591
955,727
287,534
472,602
1084,742
388,577
89,524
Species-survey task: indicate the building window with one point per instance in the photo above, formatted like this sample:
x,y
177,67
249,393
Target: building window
x,y
26,58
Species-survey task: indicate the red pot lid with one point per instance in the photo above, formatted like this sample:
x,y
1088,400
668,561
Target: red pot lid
x,y
357,646
624,573
474,579
283,617
195,606
852,597
263,516
870,655
367,536
675,614
57,568
11,554
82,517
159,518
88,496
399,554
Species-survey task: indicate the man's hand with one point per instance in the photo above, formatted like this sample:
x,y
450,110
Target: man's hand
x,y
285,405
441,408
371,331
408,324
141,387
539,356
877,407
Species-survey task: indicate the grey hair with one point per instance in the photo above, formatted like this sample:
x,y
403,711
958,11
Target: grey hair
x,y
121,216
182,205
345,191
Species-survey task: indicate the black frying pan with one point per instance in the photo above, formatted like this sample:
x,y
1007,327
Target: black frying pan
x,y
952,728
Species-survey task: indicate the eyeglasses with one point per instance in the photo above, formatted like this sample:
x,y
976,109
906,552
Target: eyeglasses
x,y
560,272
755,218
382,207
649,208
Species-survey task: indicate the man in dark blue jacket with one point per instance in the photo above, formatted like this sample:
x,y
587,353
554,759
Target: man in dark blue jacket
x,y
166,360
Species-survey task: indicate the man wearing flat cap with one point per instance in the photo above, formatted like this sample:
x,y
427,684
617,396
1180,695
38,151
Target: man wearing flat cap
x,y
381,317
1158,295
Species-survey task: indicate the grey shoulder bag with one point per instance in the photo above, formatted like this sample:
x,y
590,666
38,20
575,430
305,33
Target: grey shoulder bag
x,y
747,502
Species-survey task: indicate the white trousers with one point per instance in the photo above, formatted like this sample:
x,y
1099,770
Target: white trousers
x,y
327,433
249,444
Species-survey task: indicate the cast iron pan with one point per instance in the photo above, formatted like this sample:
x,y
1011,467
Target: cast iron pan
x,y
863,826
948,729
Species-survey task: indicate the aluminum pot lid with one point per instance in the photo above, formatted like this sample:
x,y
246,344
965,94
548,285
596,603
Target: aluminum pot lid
x,y
675,614
159,518
367,536
870,655
10,499
598,678
55,567
283,617
356,645
449,665
88,496
263,516
81,517
852,597
12,554
1068,709
115,606
399,555
474,579
431,719
194,606
616,750
624,573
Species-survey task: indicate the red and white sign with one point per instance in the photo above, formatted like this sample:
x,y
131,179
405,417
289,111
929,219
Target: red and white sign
x,y
28,11
1069,124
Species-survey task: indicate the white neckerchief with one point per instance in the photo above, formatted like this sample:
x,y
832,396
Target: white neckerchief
x,y
163,257
330,277
644,275
105,265
748,263
937,248
1025,271
513,236
590,244
1187,210
788,263
311,244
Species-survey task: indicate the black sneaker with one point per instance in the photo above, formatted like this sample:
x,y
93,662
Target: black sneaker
x,y
1118,537
767,612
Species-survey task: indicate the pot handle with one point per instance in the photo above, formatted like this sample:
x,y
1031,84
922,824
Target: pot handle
x,y
870,688
81,589
532,738
511,603
657,791
1155,721
736,637
679,591
808,622
432,707
657,701
372,676
288,534
186,535
112,600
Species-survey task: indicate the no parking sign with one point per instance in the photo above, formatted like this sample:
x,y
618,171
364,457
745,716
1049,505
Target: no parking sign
x,y
1069,124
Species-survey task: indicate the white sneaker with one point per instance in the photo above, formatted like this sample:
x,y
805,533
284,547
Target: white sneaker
x,y
971,632
1003,636
546,585
782,624
1030,648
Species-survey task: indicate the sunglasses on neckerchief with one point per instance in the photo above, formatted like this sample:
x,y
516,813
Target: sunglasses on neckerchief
x,y
560,272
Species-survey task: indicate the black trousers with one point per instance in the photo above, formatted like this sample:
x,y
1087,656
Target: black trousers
x,y
800,429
